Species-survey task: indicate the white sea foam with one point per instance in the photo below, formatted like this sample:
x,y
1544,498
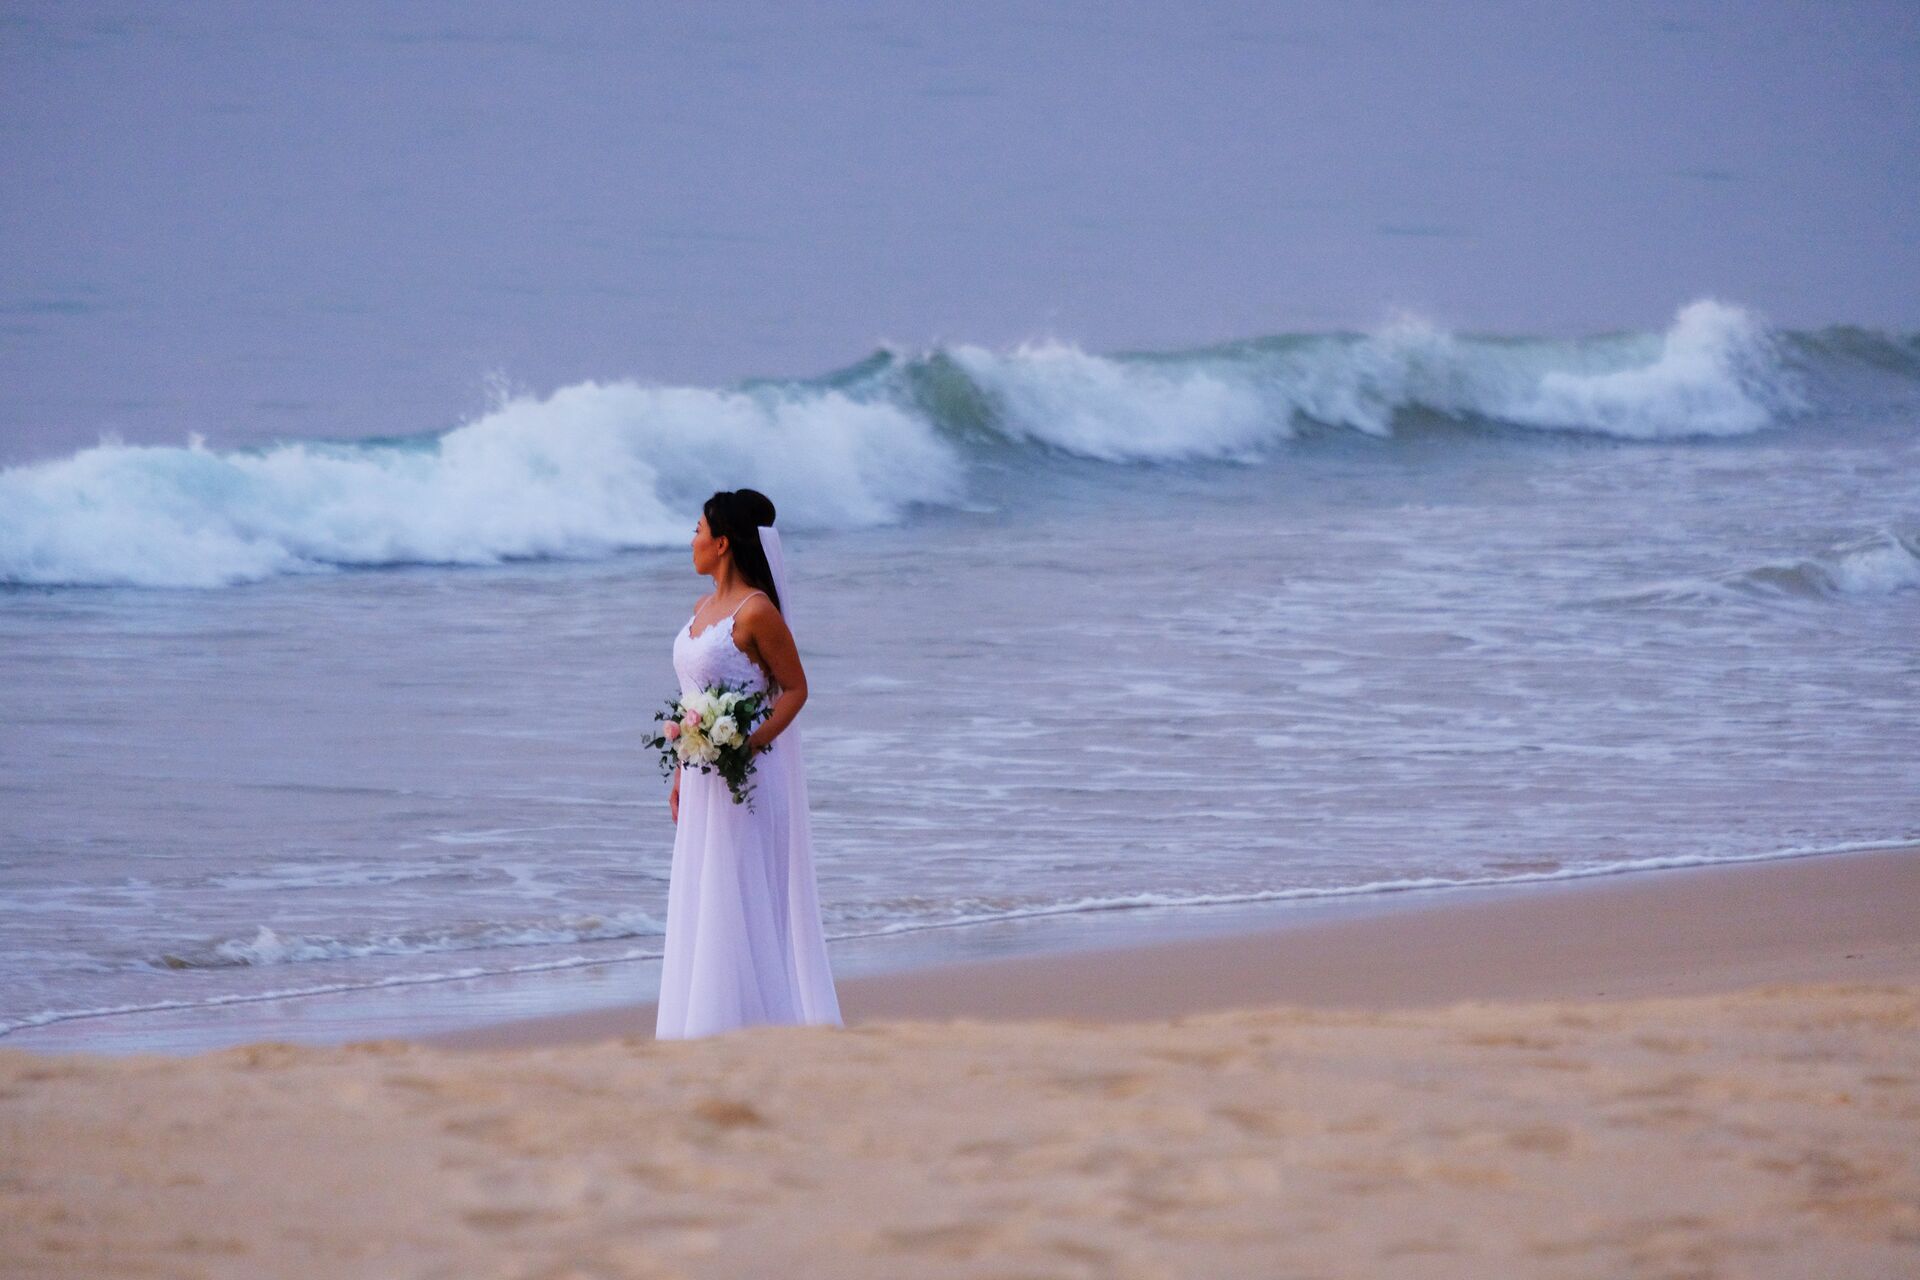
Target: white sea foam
x,y
267,946
1714,372
1877,564
1717,374
600,467
1057,395
591,469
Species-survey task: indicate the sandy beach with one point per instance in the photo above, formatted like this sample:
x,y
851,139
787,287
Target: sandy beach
x,y
1686,1073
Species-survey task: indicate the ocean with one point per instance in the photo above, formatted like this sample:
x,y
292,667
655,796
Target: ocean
x,y
1278,621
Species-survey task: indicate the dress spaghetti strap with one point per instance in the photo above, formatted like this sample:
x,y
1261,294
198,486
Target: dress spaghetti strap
x,y
743,601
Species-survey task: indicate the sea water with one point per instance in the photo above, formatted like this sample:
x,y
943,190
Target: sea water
x,y
1299,617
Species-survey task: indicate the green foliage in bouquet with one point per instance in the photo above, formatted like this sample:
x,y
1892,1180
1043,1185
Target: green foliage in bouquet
x,y
707,730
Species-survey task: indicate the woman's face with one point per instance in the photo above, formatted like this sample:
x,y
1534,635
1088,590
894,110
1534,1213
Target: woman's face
x,y
708,550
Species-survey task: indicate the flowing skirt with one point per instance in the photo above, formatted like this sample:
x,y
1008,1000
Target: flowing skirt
x,y
744,946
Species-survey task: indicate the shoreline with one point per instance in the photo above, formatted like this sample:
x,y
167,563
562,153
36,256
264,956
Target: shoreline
x,y
1843,917
1053,964
1705,1072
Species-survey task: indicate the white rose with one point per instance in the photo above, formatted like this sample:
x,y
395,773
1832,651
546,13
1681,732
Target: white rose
x,y
701,704
729,700
725,732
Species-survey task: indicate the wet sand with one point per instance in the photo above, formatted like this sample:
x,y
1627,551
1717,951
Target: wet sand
x,y
1851,917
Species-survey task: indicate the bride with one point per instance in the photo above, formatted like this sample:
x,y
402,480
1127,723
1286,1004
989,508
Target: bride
x,y
744,940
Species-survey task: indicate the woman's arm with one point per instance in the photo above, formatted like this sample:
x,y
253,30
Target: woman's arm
x,y
771,645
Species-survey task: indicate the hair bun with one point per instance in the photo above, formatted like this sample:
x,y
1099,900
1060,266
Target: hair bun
x,y
754,505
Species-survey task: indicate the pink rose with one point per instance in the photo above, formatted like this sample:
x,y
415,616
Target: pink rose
x,y
691,720
671,729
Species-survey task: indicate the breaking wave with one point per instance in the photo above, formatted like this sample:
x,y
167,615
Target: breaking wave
x,y
600,467
1877,564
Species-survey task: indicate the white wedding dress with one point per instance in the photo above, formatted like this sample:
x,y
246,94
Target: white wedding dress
x,y
744,943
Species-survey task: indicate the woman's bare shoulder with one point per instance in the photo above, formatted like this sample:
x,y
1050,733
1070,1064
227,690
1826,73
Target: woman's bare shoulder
x,y
757,611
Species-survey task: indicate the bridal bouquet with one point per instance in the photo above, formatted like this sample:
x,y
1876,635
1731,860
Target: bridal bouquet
x,y
707,730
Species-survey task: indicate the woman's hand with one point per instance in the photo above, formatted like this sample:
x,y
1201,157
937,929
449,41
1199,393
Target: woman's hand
x,y
673,798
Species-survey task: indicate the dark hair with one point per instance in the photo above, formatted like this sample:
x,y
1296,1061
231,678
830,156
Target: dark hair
x,y
736,515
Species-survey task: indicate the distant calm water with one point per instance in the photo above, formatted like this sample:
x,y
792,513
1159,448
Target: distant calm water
x,y
1311,615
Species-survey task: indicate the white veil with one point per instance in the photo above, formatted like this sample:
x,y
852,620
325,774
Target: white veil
x,y
777,564
809,946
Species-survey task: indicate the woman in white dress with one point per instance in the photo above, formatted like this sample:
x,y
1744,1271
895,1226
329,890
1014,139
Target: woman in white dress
x,y
744,942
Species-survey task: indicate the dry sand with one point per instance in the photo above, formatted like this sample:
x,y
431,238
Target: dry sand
x,y
1770,1131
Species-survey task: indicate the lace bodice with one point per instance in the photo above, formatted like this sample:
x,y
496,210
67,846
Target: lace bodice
x,y
712,657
